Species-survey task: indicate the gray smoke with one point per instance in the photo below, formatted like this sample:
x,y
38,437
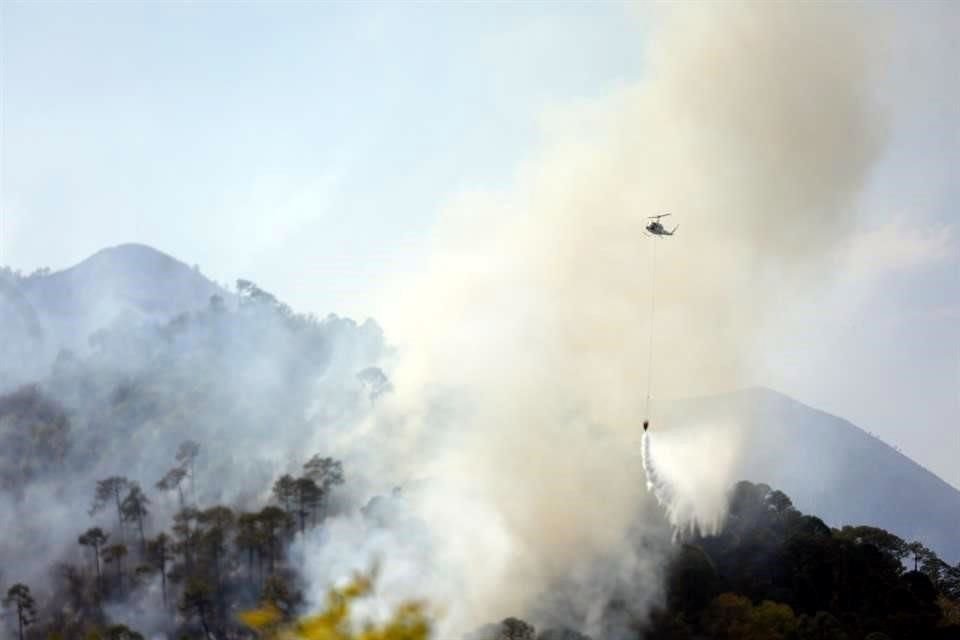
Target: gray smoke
x,y
754,125
522,364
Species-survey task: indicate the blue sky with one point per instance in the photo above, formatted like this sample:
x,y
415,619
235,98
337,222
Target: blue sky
x,y
311,146
306,146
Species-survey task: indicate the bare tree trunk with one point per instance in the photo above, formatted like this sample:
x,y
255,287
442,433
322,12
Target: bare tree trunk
x,y
193,481
116,499
203,621
143,540
96,559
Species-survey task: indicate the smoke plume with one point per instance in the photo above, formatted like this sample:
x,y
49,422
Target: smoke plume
x,y
523,375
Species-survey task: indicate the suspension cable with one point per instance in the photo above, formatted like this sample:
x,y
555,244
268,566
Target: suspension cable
x,y
653,288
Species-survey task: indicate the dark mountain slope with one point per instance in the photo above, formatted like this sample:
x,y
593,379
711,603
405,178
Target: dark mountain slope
x,y
831,467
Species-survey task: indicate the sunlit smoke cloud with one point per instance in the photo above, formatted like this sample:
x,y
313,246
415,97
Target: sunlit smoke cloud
x,y
754,126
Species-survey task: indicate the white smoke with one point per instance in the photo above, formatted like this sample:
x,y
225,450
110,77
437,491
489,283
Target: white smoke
x,y
524,347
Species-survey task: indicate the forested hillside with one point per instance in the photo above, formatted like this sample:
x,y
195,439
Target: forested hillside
x,y
177,473
183,426
834,468
776,573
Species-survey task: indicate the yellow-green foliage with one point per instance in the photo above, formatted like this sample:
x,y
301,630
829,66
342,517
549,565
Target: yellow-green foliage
x,y
950,609
733,617
408,622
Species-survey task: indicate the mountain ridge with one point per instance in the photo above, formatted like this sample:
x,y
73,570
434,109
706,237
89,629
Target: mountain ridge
x,y
133,281
128,264
826,464
833,467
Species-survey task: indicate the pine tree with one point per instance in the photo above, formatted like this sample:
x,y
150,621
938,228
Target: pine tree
x,y
95,538
18,597
247,538
160,554
109,491
173,479
326,473
285,491
134,509
195,601
309,497
187,457
272,521
115,554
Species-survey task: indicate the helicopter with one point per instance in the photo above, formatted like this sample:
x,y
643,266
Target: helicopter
x,y
657,229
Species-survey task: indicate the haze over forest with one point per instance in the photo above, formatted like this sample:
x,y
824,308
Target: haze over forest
x,y
181,442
